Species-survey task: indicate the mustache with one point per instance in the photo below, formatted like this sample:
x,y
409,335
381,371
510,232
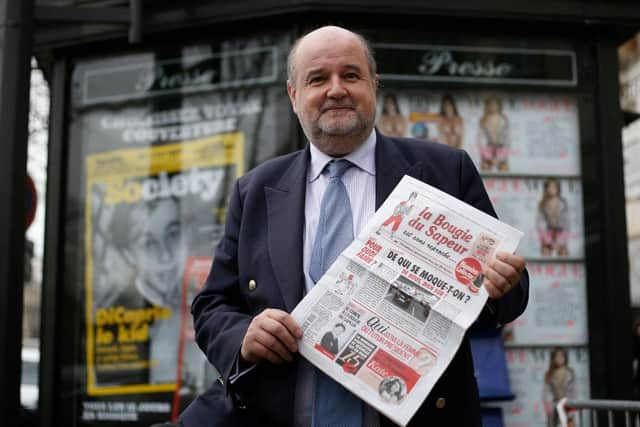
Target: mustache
x,y
333,104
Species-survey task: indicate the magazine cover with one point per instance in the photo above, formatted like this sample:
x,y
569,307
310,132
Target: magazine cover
x,y
540,377
548,211
147,209
557,310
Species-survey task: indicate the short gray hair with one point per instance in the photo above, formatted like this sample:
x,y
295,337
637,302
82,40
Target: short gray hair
x,y
368,51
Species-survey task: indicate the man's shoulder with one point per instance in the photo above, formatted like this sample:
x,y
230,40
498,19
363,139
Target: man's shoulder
x,y
412,148
271,170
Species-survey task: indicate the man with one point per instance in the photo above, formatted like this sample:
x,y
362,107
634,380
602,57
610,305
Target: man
x,y
262,265
330,341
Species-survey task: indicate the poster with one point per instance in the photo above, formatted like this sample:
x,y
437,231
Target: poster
x,y
532,373
504,133
144,214
557,310
548,211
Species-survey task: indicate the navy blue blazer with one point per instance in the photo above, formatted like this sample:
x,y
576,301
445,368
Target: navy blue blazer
x,y
263,242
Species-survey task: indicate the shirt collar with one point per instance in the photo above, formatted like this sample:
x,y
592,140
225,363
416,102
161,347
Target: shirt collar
x,y
363,157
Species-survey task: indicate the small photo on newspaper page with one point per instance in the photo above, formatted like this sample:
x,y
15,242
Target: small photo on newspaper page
x,y
388,316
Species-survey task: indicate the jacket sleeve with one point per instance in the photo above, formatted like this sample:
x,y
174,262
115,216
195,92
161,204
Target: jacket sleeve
x,y
506,309
220,313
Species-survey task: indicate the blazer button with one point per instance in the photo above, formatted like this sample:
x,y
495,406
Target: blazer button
x,y
252,285
441,402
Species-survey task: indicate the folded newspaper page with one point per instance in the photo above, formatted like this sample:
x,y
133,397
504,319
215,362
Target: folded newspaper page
x,y
389,315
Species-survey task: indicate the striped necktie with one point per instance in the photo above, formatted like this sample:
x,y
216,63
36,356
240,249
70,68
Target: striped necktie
x,y
333,405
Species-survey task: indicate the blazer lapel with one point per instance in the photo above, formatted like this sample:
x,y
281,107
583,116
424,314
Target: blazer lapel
x,y
285,212
394,164
285,229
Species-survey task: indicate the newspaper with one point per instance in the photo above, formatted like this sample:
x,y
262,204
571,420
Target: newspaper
x,y
389,315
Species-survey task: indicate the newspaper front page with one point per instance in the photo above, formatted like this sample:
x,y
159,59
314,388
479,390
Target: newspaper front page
x,y
389,315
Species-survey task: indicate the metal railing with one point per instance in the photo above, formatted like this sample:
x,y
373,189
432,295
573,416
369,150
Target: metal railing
x,y
598,409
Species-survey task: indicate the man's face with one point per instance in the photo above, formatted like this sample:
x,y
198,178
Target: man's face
x,y
333,92
159,248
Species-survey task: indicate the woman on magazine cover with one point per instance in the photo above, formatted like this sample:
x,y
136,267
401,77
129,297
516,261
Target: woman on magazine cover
x,y
493,136
553,220
451,125
391,121
559,382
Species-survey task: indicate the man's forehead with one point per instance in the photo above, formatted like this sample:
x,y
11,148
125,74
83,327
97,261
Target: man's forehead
x,y
325,45
329,35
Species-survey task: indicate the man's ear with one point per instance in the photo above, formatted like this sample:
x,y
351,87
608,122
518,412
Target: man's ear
x,y
291,91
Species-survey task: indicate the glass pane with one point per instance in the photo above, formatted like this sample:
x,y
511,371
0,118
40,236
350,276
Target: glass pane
x,y
157,140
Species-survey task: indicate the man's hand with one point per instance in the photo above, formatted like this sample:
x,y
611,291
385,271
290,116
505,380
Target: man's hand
x,y
272,335
503,274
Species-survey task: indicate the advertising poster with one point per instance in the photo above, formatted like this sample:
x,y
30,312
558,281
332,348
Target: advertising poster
x,y
143,211
159,139
539,378
148,212
557,310
548,211
504,133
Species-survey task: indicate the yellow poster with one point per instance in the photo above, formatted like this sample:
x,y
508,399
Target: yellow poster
x,y
148,210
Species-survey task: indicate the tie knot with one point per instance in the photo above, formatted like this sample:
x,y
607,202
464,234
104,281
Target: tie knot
x,y
337,168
